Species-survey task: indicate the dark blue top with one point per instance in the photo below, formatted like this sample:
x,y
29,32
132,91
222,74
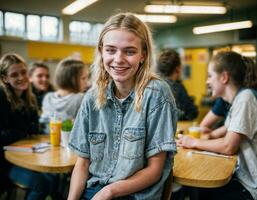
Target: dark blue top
x,y
220,107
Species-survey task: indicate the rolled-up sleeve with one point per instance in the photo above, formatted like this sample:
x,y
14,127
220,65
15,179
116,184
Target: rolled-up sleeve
x,y
78,139
161,123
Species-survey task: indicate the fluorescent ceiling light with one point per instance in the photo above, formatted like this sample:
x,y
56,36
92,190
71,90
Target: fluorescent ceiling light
x,y
222,27
185,9
249,53
157,18
76,6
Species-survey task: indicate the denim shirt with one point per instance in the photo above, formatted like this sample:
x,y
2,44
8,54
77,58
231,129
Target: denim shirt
x,y
118,140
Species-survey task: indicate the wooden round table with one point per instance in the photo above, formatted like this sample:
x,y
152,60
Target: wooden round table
x,y
204,171
55,160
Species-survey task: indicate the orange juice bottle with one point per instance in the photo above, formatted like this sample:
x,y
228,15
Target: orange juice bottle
x,y
55,126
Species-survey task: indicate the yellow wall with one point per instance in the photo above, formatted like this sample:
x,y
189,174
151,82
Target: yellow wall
x,y
197,59
57,51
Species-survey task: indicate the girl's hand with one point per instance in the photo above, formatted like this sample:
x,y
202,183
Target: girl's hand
x,y
103,194
186,141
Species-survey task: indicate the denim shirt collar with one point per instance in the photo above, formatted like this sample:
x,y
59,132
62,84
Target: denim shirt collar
x,y
111,96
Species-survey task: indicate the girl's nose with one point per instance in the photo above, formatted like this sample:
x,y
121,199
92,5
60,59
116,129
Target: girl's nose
x,y
21,76
118,57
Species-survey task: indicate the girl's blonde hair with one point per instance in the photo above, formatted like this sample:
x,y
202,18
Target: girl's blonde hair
x,y
131,23
27,97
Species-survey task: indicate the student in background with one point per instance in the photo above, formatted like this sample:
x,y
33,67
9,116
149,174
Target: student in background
x,y
215,118
19,119
39,79
70,80
228,77
118,135
169,67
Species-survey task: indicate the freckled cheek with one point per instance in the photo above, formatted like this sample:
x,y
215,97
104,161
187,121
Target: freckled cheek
x,y
107,60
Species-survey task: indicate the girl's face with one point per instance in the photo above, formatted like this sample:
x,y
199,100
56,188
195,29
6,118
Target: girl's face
x,y
17,77
122,53
40,79
83,80
215,81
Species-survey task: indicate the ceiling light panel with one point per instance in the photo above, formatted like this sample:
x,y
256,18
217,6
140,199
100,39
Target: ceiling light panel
x,y
76,6
222,27
157,18
186,9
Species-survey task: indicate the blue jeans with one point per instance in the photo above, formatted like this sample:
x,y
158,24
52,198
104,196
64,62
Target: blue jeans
x,y
90,192
39,185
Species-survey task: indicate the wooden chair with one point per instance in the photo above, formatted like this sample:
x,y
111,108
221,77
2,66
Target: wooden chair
x,y
167,191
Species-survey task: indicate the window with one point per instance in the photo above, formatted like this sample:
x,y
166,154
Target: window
x,y
84,32
75,30
14,24
96,32
49,28
33,27
1,23
79,31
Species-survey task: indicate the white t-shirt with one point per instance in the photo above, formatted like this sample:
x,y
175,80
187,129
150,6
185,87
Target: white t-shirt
x,y
242,119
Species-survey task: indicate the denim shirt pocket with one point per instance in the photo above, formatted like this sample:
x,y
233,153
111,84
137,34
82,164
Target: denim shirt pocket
x,y
96,145
133,143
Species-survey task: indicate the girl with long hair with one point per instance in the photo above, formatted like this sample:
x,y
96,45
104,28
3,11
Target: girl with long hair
x,y
124,132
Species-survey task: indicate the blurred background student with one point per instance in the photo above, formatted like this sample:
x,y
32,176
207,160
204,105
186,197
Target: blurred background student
x,y
71,82
39,78
18,120
234,78
169,67
215,118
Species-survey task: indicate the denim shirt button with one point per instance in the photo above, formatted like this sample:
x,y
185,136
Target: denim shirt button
x,y
115,157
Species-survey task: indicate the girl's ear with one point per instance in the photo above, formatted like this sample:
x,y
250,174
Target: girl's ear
x,y
4,78
224,77
178,69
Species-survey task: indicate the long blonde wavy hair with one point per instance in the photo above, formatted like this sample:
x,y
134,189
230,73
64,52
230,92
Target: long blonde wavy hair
x,y
131,23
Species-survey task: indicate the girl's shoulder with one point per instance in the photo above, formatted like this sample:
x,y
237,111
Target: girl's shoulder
x,y
91,93
158,84
77,97
2,93
3,97
159,89
247,95
49,95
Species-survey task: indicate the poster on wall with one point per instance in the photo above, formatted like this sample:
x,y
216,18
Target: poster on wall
x,y
186,72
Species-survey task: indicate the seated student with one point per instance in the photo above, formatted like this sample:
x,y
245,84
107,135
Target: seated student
x,y
39,79
124,132
228,74
18,119
70,79
169,67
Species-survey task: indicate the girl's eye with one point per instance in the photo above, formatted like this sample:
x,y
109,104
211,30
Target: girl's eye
x,y
14,75
24,72
110,51
130,52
